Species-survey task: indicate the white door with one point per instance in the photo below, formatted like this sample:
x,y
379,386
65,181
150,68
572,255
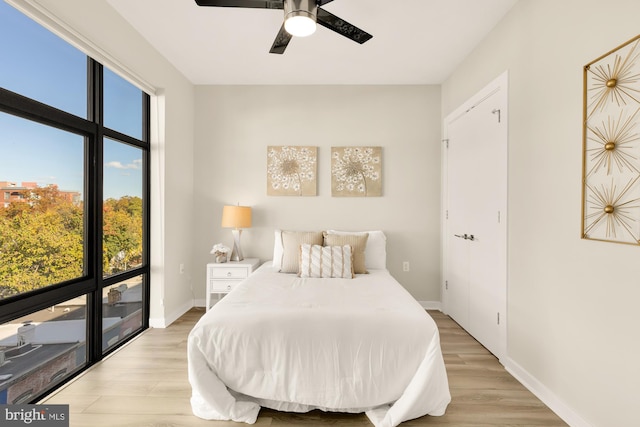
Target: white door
x,y
475,217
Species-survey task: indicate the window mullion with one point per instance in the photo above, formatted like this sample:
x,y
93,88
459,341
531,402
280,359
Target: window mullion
x,y
26,108
96,154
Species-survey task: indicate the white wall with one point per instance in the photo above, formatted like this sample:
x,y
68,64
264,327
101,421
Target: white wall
x,y
172,148
235,124
572,303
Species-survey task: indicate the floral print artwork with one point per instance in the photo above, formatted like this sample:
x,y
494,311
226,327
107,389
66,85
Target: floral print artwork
x,y
291,171
356,171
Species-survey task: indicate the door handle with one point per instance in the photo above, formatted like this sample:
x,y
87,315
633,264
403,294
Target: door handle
x,y
466,236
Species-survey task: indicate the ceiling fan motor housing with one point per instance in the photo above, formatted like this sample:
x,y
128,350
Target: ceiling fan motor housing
x,y
300,8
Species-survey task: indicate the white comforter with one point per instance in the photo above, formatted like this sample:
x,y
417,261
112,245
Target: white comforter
x,y
294,344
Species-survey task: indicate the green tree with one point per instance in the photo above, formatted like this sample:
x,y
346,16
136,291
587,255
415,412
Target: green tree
x,y
122,234
42,239
41,242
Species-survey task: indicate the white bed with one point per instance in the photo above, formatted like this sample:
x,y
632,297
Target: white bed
x,y
295,344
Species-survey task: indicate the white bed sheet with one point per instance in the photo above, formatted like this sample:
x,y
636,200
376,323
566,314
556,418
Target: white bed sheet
x,y
296,344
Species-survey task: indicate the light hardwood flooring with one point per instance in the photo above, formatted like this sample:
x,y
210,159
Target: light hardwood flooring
x,y
145,384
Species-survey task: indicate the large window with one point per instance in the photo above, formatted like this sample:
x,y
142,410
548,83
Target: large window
x,y
74,217
42,217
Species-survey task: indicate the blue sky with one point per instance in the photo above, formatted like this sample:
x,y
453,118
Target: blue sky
x,y
39,65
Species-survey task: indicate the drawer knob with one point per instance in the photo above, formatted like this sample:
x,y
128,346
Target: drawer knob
x,y
228,287
228,274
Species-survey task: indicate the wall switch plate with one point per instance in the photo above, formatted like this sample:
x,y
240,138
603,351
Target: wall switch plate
x,y
181,268
405,266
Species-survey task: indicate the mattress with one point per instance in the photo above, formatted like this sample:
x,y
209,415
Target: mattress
x,y
298,344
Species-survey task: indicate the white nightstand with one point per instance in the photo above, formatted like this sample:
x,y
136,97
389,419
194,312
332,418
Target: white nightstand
x,y
223,277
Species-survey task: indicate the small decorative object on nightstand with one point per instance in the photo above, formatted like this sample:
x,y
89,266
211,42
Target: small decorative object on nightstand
x,y
221,252
222,278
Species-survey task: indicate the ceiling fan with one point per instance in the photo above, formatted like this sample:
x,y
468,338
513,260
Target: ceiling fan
x,y
300,17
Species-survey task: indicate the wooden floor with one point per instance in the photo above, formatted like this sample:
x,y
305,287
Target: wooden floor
x,y
145,384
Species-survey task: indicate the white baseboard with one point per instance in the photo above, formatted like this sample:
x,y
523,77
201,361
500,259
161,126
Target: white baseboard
x,y
156,323
549,398
431,305
159,322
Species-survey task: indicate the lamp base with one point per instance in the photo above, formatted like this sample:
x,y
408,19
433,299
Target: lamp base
x,y
236,252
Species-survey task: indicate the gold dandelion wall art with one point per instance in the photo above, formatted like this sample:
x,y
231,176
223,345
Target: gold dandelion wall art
x,y
292,171
356,171
611,146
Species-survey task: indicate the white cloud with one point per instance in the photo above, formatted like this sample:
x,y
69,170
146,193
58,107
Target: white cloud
x,y
136,164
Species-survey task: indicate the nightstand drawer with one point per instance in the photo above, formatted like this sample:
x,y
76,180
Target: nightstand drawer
x,y
228,273
222,285
223,278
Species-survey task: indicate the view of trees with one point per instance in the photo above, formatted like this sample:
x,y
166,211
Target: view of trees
x,y
41,239
122,234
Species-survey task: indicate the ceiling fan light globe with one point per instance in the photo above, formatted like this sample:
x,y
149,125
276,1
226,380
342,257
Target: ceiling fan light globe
x,y
299,25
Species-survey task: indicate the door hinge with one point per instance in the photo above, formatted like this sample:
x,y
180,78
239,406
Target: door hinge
x,y
446,141
498,217
446,285
446,214
498,318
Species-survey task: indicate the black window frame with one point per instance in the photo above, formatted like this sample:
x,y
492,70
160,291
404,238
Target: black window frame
x,y
92,282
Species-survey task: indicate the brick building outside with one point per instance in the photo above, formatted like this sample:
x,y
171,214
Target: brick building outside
x,y
12,192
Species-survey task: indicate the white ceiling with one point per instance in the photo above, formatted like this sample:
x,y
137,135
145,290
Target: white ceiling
x,y
414,41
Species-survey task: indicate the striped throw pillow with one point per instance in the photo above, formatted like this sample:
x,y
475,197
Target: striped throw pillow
x,y
326,261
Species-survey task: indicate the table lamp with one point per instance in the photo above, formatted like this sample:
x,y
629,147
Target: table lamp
x,y
237,218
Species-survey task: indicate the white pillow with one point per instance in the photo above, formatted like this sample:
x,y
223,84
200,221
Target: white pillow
x,y
375,254
326,261
278,250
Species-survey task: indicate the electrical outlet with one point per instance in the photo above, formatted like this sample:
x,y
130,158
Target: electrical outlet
x,y
405,266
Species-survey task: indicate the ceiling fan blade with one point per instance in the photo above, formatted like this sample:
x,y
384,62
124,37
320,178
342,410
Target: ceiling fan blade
x,y
342,27
281,42
254,4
